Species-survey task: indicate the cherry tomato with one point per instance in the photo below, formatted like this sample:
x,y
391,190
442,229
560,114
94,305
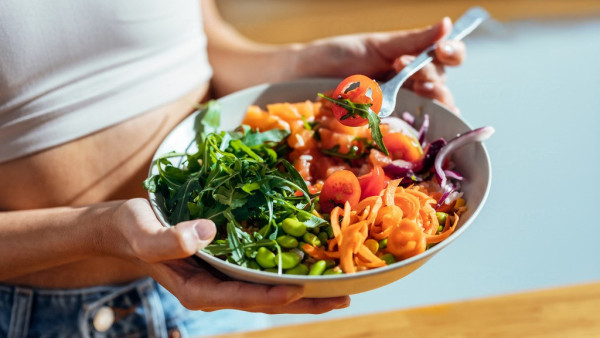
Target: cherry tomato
x,y
340,187
366,92
373,183
403,147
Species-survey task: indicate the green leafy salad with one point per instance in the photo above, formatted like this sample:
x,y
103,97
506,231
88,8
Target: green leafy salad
x,y
240,180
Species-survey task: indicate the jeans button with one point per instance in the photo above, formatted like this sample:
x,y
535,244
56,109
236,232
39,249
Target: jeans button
x,y
104,319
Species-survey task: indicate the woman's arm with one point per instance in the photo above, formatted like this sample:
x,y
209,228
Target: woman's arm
x,y
35,240
239,62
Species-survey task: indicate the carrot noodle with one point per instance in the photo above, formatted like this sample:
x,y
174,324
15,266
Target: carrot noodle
x,y
405,217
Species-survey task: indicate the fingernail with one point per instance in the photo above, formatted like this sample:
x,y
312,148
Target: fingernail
x,y
343,305
428,86
448,48
205,229
406,59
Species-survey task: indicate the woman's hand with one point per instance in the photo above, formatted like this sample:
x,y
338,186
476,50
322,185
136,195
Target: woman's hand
x,y
381,55
162,252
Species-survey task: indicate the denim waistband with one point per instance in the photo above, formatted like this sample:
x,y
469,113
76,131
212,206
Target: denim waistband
x,y
133,309
142,308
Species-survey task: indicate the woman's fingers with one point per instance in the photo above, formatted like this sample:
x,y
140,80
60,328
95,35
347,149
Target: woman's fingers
x,y
431,72
307,305
450,52
198,289
436,91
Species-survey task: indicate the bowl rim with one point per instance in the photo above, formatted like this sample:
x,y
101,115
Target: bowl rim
x,y
301,279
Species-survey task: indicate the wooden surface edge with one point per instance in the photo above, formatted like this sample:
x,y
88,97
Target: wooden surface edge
x,y
569,311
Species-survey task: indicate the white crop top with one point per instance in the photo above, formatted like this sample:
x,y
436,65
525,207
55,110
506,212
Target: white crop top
x,y
70,68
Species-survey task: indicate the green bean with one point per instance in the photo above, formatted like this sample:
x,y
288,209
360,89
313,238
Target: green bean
x,y
293,227
265,258
311,239
388,258
287,242
288,260
300,269
329,263
318,268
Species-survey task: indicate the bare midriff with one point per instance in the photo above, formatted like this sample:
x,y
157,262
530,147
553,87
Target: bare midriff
x,y
110,164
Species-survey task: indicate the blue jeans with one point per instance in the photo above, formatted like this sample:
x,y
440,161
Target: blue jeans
x,y
139,309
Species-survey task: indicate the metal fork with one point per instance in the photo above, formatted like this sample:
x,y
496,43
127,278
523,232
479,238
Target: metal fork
x,y
461,28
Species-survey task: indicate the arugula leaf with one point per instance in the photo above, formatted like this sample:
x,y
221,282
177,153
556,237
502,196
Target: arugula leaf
x,y
182,196
352,154
237,251
364,111
208,120
253,138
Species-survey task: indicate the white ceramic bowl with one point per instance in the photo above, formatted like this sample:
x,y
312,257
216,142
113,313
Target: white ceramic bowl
x,y
472,162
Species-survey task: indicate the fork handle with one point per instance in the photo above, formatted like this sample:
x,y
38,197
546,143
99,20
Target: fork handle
x,y
461,28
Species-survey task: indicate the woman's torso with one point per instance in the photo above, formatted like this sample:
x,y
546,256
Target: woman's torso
x,y
87,92
107,165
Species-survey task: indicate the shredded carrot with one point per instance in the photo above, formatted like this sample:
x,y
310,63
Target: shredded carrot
x,y
447,231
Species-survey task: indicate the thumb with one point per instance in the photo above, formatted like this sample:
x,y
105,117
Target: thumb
x,y
179,241
393,45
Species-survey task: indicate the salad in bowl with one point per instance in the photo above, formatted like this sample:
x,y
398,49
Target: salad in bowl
x,y
316,190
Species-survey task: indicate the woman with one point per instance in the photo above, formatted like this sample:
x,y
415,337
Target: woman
x,y
88,90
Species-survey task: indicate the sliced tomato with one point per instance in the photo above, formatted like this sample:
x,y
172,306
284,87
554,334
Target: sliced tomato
x,y
340,187
403,147
358,89
373,183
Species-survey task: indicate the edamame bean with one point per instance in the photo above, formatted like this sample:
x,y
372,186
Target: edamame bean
x,y
265,258
293,227
329,231
329,263
388,258
287,242
311,239
441,216
288,260
253,265
318,268
333,271
383,243
323,237
300,269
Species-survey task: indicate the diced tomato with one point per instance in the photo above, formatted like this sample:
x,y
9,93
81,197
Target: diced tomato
x,y
339,188
330,139
256,118
403,147
377,158
373,183
301,139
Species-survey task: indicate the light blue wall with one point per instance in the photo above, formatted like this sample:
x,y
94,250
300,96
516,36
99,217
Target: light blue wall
x,y
538,84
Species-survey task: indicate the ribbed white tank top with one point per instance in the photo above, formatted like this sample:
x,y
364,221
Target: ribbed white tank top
x,y
70,68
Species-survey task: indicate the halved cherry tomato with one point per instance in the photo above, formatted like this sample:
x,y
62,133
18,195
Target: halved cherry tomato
x,y
340,187
366,91
403,147
373,183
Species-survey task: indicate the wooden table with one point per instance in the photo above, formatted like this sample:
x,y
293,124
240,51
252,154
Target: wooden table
x,y
572,311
